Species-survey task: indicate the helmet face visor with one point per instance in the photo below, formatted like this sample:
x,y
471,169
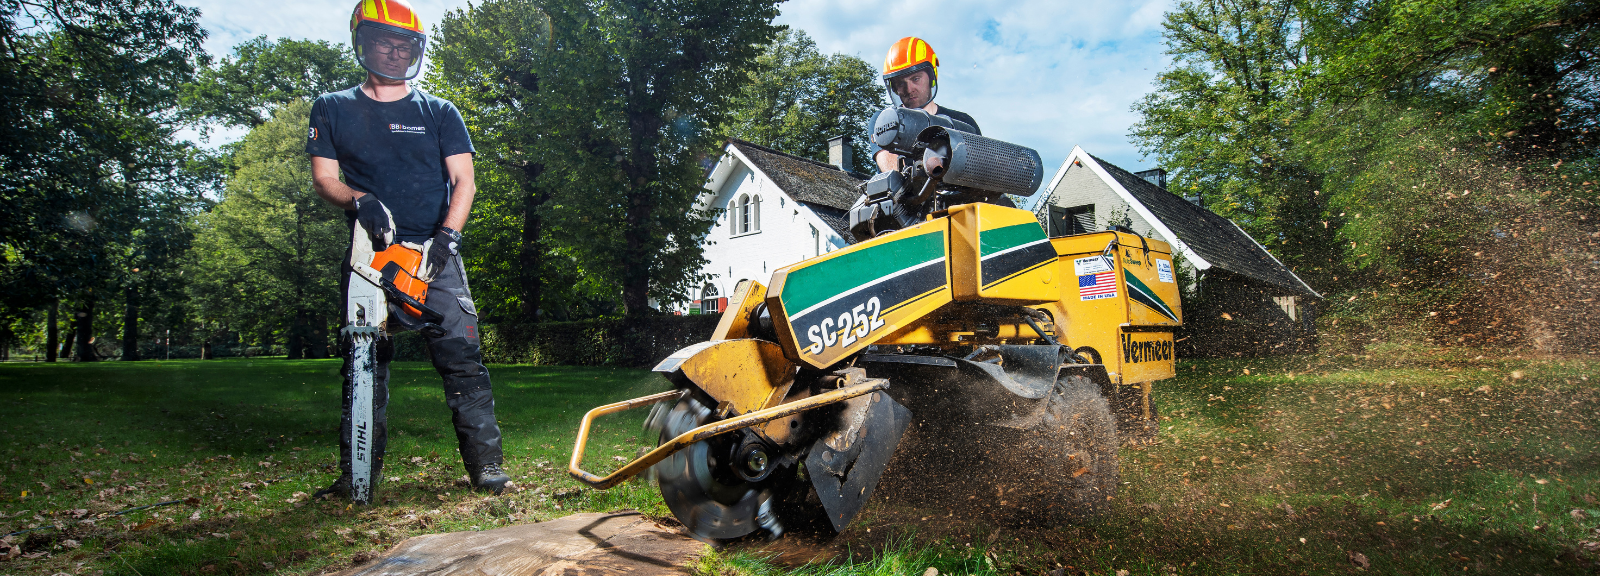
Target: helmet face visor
x,y
912,87
392,55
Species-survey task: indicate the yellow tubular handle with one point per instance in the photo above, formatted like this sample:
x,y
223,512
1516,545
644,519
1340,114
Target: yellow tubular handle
x,y
686,439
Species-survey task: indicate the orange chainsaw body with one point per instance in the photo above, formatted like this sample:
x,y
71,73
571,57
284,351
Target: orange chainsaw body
x,y
399,264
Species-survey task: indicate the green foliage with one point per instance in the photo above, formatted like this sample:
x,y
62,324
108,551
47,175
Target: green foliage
x,y
266,258
796,98
1223,121
96,186
263,75
636,342
616,98
1346,135
1519,74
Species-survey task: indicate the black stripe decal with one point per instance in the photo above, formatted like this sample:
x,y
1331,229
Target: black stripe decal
x,y
891,293
1142,298
1001,266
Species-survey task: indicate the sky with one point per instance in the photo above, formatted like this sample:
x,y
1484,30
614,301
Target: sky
x,y
1041,73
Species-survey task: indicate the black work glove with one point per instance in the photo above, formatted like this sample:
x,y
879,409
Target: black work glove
x,y
436,253
376,219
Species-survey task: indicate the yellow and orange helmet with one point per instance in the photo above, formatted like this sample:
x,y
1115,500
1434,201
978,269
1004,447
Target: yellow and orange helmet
x,y
906,57
388,38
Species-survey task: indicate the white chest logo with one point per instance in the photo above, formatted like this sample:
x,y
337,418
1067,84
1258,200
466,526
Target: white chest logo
x,y
403,129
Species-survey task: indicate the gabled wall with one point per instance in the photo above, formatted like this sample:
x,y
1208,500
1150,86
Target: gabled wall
x,y
1079,185
785,235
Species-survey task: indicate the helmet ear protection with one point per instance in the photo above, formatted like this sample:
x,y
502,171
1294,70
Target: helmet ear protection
x,y
908,56
379,29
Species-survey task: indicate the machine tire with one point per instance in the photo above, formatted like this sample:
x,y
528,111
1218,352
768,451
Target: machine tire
x,y
1076,444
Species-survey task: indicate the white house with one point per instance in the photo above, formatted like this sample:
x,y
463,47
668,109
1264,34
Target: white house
x,y
778,209
1088,194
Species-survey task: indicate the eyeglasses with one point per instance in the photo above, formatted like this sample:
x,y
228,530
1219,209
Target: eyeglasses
x,y
385,48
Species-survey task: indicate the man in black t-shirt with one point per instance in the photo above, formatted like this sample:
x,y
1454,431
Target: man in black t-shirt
x,y
911,74
406,161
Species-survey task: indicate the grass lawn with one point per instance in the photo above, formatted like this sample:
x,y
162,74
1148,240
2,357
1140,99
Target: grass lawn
x,y
1420,462
241,444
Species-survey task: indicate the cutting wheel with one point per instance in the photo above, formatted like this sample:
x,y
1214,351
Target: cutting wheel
x,y
712,506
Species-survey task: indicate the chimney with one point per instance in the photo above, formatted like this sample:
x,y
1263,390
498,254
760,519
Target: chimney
x,y
839,153
1155,176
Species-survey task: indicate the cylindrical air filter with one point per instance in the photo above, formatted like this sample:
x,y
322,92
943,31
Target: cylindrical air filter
x,y
992,165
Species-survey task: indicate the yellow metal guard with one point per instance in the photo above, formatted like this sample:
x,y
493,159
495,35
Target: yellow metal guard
x,y
686,439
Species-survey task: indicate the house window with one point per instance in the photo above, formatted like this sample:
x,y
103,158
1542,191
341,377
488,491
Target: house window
x,y
746,214
1068,221
708,300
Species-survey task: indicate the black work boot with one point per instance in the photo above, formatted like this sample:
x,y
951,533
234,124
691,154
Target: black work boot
x,y
339,489
489,478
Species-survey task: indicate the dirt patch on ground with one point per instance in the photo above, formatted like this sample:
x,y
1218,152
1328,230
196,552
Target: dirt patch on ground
x,y
591,543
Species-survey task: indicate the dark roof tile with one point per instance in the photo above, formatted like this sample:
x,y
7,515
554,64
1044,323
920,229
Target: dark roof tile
x,y
805,180
1211,236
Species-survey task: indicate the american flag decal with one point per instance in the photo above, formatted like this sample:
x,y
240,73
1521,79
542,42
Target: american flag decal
x,y
1097,286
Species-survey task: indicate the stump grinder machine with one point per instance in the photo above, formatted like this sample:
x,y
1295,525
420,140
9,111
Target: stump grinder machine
x,y
954,360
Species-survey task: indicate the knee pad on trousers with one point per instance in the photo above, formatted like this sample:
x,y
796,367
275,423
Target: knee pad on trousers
x,y
460,363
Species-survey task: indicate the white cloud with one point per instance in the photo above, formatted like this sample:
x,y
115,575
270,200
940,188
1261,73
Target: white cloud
x,y
1040,73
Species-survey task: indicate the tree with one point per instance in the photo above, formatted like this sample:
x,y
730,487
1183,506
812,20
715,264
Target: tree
x,y
1423,159
796,99
616,102
1519,74
1224,122
266,258
263,75
88,160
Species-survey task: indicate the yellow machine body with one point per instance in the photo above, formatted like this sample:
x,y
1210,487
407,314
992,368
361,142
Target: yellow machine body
x,y
1122,302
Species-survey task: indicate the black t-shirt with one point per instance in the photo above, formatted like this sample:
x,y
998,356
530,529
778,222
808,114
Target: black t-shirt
x,y
947,112
394,150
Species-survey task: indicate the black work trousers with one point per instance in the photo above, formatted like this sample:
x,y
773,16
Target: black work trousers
x,y
459,361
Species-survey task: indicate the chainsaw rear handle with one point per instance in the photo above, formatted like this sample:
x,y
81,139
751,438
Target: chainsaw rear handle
x,y
430,317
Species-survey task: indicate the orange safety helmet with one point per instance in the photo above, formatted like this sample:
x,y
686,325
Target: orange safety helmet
x,y
909,56
375,20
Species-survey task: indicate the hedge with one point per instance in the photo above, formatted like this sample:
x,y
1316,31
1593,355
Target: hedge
x,y
634,342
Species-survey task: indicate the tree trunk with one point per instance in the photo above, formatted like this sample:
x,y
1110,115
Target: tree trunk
x,y
297,335
529,257
52,337
85,332
130,326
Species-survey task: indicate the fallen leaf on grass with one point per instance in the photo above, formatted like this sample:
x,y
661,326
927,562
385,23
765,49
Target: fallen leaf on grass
x,y
70,543
1080,472
1443,505
1541,481
1360,560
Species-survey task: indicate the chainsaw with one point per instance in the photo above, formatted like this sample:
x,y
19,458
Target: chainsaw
x,y
377,278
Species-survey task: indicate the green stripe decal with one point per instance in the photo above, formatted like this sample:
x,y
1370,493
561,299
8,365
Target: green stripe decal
x,y
808,286
997,239
1142,294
